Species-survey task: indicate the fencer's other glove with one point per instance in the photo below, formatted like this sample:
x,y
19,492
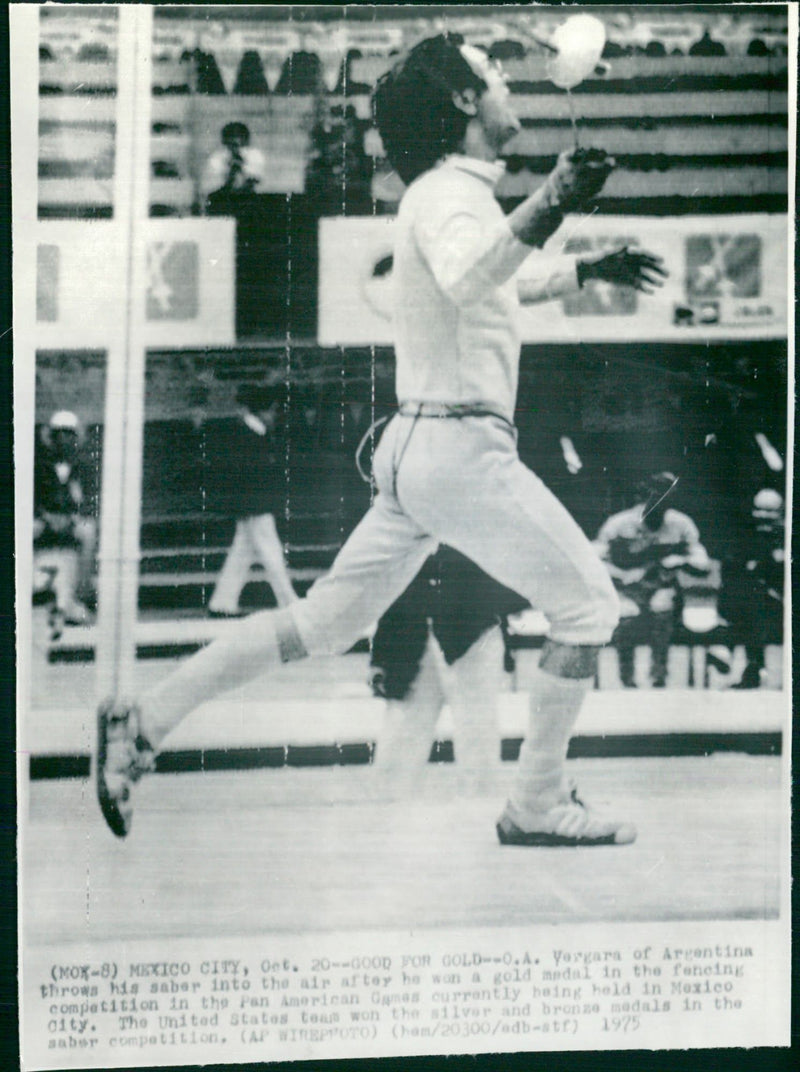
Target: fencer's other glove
x,y
623,267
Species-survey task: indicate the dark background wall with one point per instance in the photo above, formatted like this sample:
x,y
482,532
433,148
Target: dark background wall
x,y
627,410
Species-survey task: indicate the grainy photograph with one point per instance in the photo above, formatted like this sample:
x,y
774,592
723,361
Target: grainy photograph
x,y
403,441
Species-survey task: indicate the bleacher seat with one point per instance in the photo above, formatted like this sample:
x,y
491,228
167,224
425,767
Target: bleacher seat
x,y
663,71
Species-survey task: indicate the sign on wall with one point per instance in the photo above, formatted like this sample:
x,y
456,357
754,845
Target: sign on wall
x,y
728,280
190,277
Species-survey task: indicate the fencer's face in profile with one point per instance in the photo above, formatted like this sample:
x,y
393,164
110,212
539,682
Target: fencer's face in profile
x,y
494,110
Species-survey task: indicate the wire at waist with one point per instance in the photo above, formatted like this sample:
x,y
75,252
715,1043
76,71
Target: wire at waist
x,y
450,410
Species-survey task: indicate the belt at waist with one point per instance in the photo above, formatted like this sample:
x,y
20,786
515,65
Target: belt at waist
x,y
452,410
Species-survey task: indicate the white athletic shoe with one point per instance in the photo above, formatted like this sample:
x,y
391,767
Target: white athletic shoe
x,y
123,756
568,822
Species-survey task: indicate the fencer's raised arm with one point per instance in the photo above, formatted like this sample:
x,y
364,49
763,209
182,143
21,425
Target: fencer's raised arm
x,y
577,177
470,247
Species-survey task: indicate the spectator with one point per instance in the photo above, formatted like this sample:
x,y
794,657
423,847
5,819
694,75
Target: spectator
x,y
206,77
644,548
64,535
252,493
301,75
349,85
232,179
250,80
707,46
753,580
233,173
339,173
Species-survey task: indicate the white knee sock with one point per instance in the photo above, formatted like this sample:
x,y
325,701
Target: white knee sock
x,y
476,680
246,649
555,703
406,737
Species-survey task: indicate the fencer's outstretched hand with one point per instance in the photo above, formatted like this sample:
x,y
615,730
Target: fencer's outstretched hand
x,y
579,175
625,268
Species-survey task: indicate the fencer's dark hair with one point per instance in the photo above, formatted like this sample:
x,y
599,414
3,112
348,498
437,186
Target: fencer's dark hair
x,y
413,104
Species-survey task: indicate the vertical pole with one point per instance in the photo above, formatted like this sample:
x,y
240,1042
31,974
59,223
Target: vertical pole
x,y
791,269
125,380
24,82
194,157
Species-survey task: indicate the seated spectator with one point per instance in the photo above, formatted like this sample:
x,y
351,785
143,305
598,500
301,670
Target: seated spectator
x,y
250,80
339,173
206,76
644,548
348,84
753,581
301,74
64,535
707,46
612,50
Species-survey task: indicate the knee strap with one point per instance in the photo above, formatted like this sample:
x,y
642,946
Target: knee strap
x,y
569,662
290,643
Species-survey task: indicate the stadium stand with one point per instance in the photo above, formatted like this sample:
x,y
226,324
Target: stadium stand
x,y
683,115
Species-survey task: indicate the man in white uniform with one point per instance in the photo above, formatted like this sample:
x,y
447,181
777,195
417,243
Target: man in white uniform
x,y
447,466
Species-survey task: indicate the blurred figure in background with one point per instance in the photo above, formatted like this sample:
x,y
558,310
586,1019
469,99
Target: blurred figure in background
x,y
250,488
441,643
753,577
232,173
339,173
231,185
644,548
64,533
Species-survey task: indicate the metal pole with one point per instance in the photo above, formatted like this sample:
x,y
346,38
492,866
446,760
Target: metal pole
x,y
24,69
124,407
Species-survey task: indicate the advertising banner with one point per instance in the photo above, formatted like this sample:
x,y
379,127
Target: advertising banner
x,y
727,280
190,282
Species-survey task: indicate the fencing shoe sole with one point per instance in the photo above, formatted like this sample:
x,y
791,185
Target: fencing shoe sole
x,y
123,756
566,824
